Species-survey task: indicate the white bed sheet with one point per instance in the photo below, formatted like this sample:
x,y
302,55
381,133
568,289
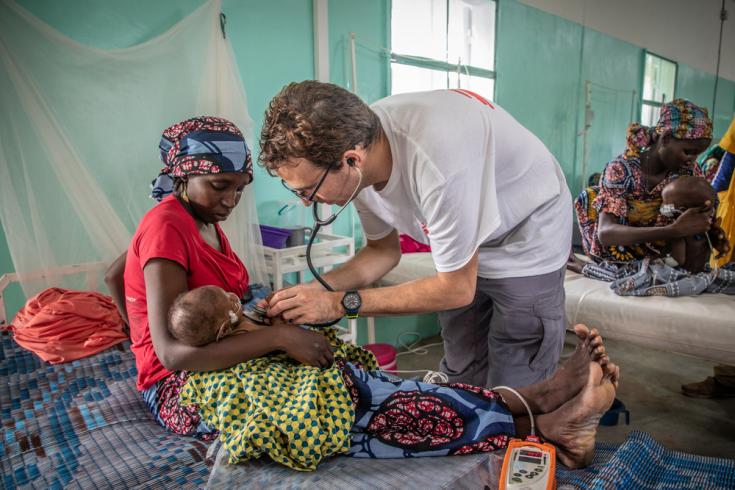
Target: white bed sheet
x,y
701,326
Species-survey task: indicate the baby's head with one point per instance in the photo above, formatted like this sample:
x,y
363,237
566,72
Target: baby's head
x,y
204,315
686,192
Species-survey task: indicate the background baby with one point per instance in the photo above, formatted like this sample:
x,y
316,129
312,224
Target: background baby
x,y
681,194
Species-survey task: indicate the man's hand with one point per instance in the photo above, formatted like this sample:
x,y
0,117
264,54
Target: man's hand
x,y
304,304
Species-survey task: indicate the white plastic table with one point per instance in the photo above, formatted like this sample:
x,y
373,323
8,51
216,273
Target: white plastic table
x,y
328,251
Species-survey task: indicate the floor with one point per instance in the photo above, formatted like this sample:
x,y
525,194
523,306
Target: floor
x,y
649,387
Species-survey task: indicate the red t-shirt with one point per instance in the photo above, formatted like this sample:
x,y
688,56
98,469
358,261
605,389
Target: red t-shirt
x,y
168,231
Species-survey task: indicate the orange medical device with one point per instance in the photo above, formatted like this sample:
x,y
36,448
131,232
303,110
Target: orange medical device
x,y
528,465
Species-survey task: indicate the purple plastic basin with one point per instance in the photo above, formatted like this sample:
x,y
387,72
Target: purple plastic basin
x,y
273,236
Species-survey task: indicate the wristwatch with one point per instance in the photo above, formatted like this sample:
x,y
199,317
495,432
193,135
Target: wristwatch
x,y
351,302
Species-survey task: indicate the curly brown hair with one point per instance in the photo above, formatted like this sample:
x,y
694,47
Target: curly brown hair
x,y
316,121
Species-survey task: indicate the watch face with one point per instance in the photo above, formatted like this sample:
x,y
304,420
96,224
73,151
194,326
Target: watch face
x,y
351,301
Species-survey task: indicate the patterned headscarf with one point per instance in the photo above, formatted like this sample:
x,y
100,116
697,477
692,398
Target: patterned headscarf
x,y
680,118
200,146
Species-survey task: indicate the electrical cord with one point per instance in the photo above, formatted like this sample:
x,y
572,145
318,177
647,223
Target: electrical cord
x,y
525,404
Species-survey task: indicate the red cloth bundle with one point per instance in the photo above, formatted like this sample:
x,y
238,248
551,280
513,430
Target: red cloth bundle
x,y
60,325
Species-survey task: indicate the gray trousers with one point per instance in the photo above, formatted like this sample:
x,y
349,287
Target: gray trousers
x,y
512,333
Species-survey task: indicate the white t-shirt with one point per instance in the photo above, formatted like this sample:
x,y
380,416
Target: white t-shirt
x,y
466,175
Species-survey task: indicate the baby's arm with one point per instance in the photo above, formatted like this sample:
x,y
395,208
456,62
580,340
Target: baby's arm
x,y
246,325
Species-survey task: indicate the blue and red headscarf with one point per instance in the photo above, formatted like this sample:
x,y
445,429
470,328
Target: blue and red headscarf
x,y
200,146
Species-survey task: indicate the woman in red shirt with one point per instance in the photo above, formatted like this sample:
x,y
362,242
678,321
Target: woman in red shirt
x,y
179,246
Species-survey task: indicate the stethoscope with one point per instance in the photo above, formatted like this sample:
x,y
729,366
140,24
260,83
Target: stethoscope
x,y
319,223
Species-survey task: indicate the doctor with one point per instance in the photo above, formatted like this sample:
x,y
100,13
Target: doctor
x,y
452,170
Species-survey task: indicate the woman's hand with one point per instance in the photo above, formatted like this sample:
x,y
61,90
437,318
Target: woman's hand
x,y
305,346
693,221
719,239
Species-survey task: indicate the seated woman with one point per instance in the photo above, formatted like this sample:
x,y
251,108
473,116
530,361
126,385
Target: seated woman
x,y
620,220
179,247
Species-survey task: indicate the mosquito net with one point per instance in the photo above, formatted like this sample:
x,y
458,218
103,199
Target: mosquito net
x,y
79,132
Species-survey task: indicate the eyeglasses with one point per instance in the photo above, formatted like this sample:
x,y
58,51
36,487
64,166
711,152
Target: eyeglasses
x,y
301,194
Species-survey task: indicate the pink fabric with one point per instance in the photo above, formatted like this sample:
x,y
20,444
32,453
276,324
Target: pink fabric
x,y
60,325
384,353
410,246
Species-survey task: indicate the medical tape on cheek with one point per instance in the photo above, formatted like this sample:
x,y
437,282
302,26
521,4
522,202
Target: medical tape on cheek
x,y
233,320
667,210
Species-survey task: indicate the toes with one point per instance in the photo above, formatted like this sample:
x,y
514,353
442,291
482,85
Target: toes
x,y
595,341
598,352
612,372
581,331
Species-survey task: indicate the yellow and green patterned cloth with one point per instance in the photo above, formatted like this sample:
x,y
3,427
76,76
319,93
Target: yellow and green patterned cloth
x,y
295,414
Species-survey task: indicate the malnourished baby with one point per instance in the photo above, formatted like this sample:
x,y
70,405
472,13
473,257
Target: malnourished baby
x,y
208,314
678,196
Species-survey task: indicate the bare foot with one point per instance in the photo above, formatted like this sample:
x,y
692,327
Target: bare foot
x,y
570,377
574,264
573,427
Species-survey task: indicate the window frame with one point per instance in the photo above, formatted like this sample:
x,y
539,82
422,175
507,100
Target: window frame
x,y
649,102
439,65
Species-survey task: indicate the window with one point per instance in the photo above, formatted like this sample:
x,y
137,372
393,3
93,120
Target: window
x,y
443,44
659,81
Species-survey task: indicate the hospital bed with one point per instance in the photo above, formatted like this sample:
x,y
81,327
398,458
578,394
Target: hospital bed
x,y
83,424
701,326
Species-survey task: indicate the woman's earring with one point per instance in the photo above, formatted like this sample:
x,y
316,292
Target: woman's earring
x,y
184,195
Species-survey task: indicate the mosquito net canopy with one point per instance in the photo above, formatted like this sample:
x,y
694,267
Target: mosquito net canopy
x,y
79,132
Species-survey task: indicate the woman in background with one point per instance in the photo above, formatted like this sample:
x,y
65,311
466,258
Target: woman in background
x,y
620,220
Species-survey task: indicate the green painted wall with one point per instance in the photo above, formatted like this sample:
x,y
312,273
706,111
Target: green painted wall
x,y
694,85
370,23
545,67
538,65
698,87
613,71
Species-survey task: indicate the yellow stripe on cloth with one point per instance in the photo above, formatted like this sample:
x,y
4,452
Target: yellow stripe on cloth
x,y
726,213
728,140
295,414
